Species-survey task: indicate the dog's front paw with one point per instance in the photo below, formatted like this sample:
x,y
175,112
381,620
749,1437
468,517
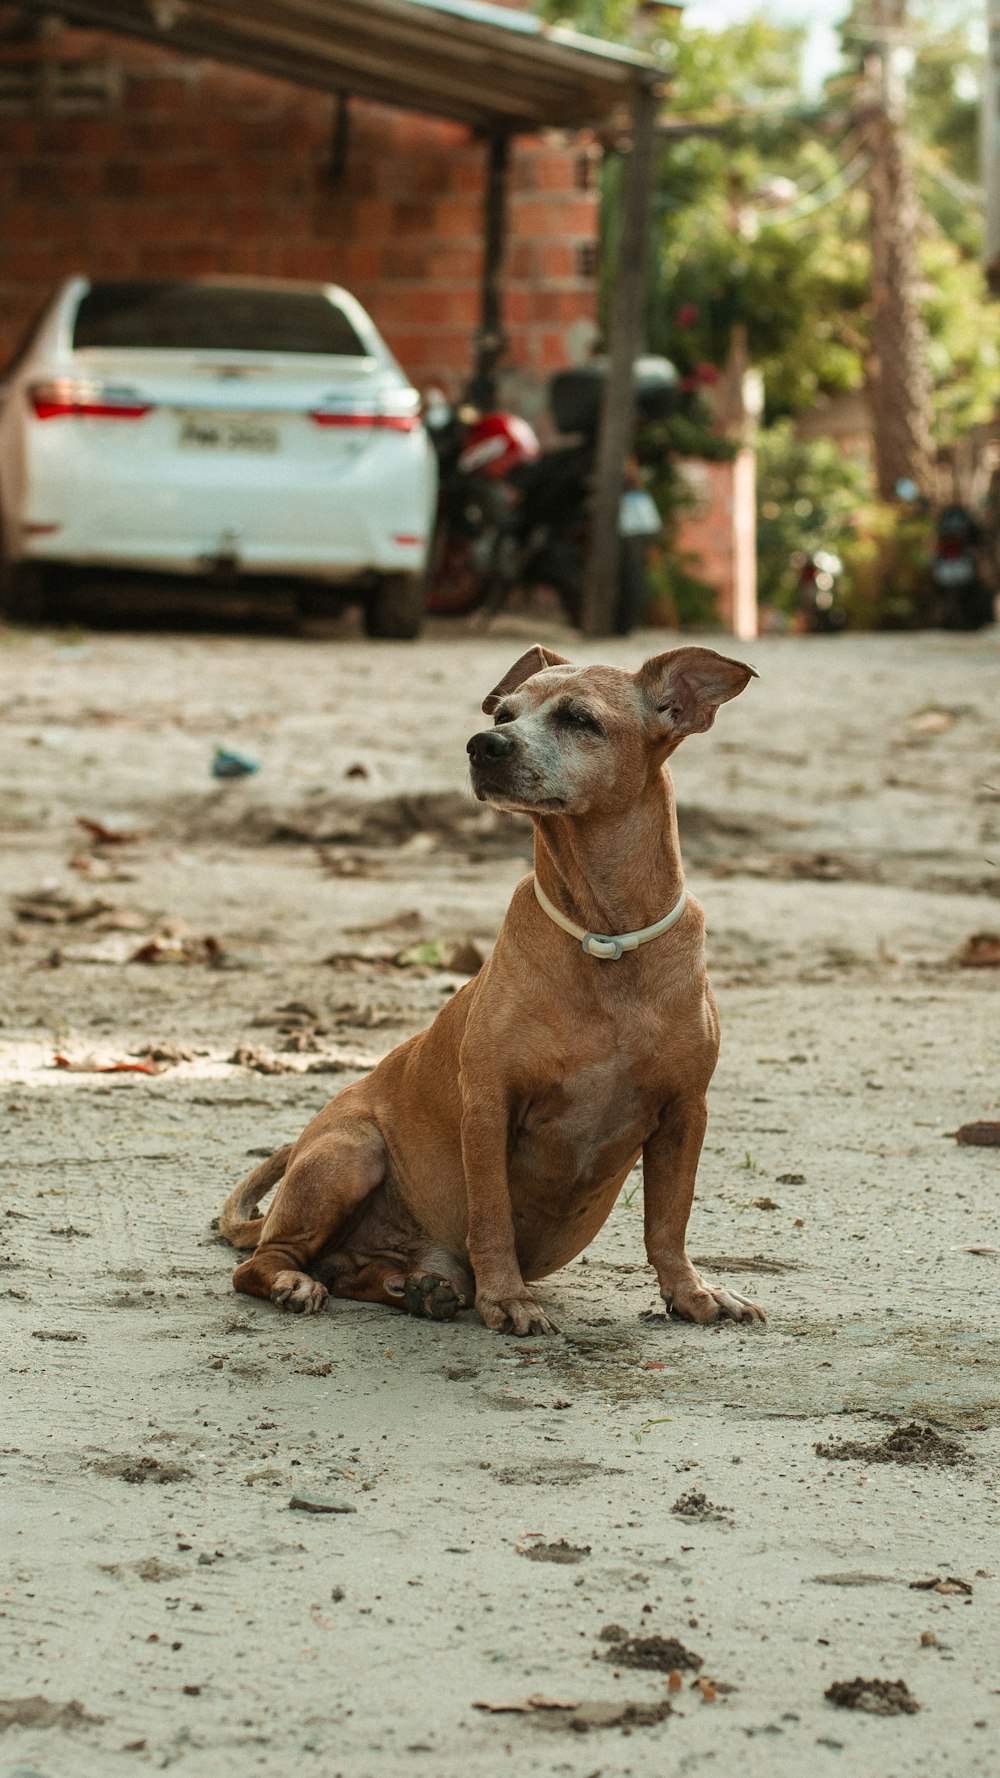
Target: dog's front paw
x,y
697,1301
295,1291
513,1314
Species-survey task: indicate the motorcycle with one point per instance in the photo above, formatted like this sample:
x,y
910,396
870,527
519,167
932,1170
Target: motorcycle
x,y
820,608
512,515
962,599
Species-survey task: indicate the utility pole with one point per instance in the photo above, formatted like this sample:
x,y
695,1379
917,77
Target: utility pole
x,y
989,145
899,376
600,587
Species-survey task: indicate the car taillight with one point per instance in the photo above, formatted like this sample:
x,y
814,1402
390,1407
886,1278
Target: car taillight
x,y
392,413
62,400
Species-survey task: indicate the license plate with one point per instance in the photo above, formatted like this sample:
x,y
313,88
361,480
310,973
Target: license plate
x,y
228,432
638,515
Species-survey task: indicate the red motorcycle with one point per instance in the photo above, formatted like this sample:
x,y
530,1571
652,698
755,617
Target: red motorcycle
x,y
512,515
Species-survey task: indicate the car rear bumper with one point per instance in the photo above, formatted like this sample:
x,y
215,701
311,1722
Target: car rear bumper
x,y
182,557
280,517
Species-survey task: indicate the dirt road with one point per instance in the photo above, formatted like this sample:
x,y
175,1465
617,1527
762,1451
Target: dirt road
x,y
164,1602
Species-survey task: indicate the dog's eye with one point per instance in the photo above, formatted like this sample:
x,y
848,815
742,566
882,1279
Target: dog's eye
x,y
502,715
576,716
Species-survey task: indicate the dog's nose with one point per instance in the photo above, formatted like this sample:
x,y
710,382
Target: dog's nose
x,y
489,747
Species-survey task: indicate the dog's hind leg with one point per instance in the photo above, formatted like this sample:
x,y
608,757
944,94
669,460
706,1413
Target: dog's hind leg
x,y
321,1194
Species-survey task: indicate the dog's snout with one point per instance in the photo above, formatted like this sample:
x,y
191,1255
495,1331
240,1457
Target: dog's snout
x,y
489,747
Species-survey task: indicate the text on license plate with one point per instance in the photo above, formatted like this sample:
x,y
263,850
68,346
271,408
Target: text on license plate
x,y
227,432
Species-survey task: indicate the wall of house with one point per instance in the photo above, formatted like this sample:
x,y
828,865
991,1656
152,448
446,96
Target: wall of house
x,y
717,536
118,159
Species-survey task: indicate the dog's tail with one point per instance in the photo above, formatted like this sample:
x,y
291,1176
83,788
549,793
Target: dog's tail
x,y
239,1219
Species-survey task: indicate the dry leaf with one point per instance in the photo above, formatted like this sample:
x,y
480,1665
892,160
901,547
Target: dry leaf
x,y
981,951
108,833
979,1135
524,1706
96,1064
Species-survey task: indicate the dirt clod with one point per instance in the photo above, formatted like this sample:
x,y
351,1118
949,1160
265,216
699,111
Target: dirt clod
x,y
40,1713
559,1551
943,1583
656,1654
698,1507
310,1503
878,1697
142,1469
905,1444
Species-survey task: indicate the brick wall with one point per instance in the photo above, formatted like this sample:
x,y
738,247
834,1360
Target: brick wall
x,y
182,166
717,537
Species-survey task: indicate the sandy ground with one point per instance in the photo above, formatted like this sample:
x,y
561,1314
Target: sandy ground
x,y
163,1603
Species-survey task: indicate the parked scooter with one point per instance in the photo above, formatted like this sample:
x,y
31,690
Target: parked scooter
x,y
512,515
962,598
821,608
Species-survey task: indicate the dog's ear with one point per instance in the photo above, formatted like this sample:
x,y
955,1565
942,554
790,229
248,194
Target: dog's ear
x,y
684,688
529,664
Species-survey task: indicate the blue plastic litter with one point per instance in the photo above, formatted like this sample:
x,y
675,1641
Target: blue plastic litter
x,y
227,764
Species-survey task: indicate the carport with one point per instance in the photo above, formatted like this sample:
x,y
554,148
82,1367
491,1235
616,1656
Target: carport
x,y
503,73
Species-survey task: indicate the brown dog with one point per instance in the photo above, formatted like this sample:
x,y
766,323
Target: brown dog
x,y
490,1148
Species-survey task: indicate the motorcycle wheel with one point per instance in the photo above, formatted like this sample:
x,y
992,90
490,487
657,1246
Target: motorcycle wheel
x,y
455,585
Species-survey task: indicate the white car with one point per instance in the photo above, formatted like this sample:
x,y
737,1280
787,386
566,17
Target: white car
x,y
218,424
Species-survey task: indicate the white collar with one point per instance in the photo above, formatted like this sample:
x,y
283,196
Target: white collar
x,y
600,944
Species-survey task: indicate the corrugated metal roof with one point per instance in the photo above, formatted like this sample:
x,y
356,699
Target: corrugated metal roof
x,y
477,63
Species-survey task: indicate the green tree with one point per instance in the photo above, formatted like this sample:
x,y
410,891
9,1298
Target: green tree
x,y
760,221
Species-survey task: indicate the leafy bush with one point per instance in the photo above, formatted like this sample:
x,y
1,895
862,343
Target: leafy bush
x,y
886,582
809,497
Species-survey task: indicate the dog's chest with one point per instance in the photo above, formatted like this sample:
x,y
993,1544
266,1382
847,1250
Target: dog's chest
x,y
585,1125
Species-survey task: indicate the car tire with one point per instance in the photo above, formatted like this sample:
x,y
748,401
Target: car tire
x,y
395,609
25,592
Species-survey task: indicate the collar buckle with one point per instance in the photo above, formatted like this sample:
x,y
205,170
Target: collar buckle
x,y
598,944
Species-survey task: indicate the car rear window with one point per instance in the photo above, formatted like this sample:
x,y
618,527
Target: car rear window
x,y
200,318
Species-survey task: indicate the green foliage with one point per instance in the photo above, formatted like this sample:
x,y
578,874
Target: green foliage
x,y
761,223
795,276
887,568
809,496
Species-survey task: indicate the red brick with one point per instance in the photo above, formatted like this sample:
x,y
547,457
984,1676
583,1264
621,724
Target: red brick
x,y
414,218
178,261
315,259
522,260
405,260
78,135
460,218
176,179
122,179
553,352
18,135
159,92
546,170
29,261
452,265
556,260
362,261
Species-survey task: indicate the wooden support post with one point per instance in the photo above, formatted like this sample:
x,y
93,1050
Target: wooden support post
x,y
624,344
491,341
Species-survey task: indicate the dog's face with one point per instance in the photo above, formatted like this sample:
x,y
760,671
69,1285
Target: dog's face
x,y
583,740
